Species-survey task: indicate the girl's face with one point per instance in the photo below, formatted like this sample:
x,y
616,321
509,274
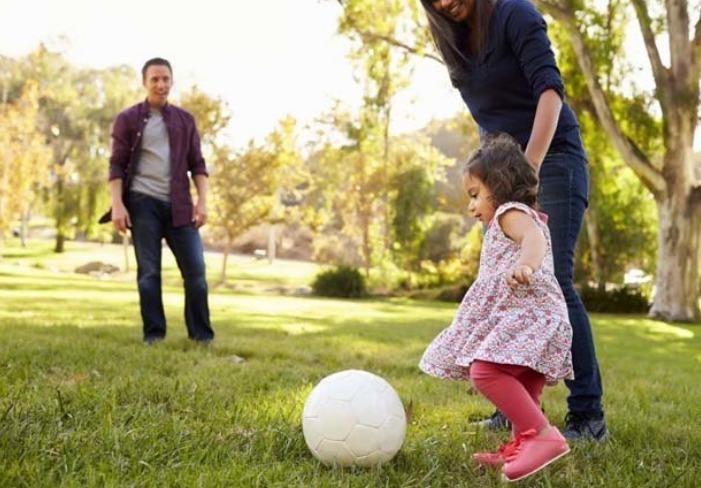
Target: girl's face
x,y
455,10
480,206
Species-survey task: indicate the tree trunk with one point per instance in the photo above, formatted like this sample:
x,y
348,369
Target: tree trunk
x,y
225,260
272,243
60,216
24,228
677,281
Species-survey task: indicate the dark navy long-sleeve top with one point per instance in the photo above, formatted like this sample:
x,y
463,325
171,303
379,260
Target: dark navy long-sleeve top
x,y
502,88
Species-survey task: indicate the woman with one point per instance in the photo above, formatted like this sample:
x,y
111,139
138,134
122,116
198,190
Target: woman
x,y
499,57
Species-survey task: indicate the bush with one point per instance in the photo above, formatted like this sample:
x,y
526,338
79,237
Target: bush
x,y
621,300
342,281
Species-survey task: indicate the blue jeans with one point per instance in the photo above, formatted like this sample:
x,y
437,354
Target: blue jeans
x,y
151,221
563,196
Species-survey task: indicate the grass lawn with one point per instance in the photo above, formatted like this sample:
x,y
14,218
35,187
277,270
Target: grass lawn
x,y
84,403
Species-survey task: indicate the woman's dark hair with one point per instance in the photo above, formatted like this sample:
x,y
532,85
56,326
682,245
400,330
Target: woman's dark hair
x,y
155,62
452,38
503,168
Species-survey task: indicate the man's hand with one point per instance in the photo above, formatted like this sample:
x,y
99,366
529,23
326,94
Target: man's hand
x,y
120,218
199,214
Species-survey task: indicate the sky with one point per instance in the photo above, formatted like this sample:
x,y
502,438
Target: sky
x,y
266,59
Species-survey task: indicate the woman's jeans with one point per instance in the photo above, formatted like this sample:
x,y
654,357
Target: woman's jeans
x,y
151,221
563,196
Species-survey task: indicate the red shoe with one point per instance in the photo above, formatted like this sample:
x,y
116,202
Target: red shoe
x,y
504,452
534,453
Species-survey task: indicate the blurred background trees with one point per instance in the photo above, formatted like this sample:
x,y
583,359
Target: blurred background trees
x,y
349,190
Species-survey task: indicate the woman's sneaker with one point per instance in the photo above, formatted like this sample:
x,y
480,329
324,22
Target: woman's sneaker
x,y
534,453
583,427
496,421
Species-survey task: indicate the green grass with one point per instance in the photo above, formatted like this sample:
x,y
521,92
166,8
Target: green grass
x,y
84,403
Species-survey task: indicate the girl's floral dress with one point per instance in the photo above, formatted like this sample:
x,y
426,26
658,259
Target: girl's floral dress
x,y
528,326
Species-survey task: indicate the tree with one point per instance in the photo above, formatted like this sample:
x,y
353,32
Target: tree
x,y
385,70
412,203
246,187
211,116
103,93
621,222
23,156
672,178
76,109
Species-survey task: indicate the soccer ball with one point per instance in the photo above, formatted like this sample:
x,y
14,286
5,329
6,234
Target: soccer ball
x,y
353,418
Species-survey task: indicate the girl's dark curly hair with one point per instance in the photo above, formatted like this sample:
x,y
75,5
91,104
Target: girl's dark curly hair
x,y
502,166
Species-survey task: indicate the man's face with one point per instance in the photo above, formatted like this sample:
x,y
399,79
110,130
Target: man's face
x,y
158,81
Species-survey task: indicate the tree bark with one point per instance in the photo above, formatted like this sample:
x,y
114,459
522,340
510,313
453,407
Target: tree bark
x,y
677,281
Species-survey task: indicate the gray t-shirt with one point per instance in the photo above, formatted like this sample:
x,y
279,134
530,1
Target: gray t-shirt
x,y
153,171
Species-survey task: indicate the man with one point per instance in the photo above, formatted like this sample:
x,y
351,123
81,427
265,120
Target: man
x,y
154,147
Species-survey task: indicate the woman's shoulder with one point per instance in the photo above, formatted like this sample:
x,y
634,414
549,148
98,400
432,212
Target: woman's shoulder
x,y
516,5
523,10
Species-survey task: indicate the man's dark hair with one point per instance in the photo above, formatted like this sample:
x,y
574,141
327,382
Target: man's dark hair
x,y
503,167
155,62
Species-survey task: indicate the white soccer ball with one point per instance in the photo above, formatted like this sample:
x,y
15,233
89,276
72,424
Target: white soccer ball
x,y
353,418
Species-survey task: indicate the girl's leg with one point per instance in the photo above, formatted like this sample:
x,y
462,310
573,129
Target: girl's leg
x,y
534,383
514,391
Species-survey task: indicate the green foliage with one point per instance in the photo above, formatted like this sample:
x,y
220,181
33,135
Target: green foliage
x,y
74,109
342,281
622,222
412,203
622,299
385,278
443,240
211,116
246,186
471,251
23,156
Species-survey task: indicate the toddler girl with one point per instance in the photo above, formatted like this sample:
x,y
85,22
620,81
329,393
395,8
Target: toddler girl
x,y
511,334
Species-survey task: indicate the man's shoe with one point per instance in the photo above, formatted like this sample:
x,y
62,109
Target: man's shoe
x,y
534,453
583,427
150,341
496,421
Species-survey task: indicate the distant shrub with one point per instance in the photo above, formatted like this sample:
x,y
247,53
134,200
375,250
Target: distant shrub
x,y
342,281
621,300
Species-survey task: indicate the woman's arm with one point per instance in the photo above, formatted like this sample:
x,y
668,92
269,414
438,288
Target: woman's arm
x,y
527,33
544,125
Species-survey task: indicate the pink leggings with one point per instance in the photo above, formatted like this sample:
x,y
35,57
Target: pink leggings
x,y
515,390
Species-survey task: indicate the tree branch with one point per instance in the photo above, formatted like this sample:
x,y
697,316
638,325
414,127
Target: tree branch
x,y
373,36
629,151
659,72
696,49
